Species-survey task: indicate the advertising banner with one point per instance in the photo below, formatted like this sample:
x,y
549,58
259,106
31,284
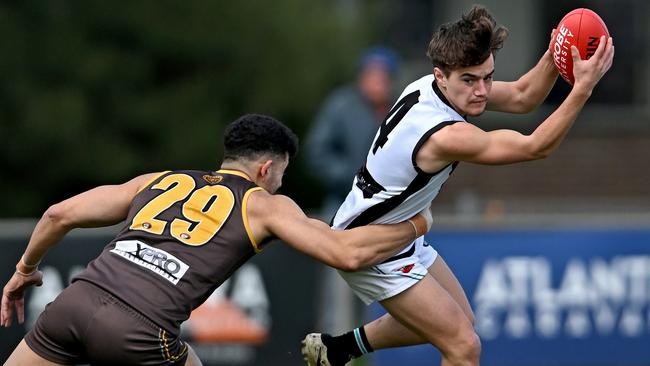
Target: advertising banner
x,y
542,297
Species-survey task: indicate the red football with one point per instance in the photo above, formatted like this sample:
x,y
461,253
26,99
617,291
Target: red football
x,y
581,28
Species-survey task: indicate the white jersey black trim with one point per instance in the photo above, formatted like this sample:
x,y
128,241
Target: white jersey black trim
x,y
382,208
436,89
395,115
367,184
390,187
424,139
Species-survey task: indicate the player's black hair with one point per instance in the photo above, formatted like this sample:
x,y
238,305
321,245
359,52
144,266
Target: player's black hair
x,y
253,135
466,42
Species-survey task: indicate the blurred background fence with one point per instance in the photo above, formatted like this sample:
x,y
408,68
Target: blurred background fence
x,y
96,92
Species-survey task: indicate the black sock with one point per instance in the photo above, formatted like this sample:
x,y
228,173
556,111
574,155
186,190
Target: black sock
x,y
347,346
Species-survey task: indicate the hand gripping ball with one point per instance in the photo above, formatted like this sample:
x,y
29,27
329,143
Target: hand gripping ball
x,y
581,28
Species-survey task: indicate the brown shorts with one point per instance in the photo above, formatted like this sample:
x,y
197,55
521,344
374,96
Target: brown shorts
x,y
86,324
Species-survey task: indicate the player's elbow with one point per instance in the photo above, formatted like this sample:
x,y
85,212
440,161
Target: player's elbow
x,y
526,104
345,252
58,215
349,260
349,263
526,99
542,152
536,150
521,105
537,154
354,264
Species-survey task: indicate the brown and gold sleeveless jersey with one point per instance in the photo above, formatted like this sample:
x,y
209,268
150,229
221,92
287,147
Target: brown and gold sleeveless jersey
x,y
185,234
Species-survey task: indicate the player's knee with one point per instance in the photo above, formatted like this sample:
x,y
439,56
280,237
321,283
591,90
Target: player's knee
x,y
474,348
466,349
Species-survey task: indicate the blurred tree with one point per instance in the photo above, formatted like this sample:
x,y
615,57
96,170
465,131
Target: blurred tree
x,y
94,92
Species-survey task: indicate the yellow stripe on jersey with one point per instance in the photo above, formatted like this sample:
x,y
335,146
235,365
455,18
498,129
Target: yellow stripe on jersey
x,y
152,179
235,172
245,218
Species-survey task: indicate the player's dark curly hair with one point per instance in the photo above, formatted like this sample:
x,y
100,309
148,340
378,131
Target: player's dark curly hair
x,y
466,42
253,135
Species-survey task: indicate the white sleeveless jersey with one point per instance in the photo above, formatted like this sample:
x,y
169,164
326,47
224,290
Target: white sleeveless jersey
x,y
390,188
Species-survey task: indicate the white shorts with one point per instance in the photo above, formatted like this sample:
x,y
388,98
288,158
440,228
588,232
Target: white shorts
x,y
394,275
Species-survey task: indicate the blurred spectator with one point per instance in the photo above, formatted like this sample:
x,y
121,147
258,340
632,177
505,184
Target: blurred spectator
x,y
346,125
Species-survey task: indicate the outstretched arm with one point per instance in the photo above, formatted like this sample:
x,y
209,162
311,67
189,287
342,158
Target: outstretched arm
x,y
529,91
347,250
101,206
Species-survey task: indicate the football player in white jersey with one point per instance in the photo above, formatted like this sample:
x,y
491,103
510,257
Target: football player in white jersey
x,y
415,150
